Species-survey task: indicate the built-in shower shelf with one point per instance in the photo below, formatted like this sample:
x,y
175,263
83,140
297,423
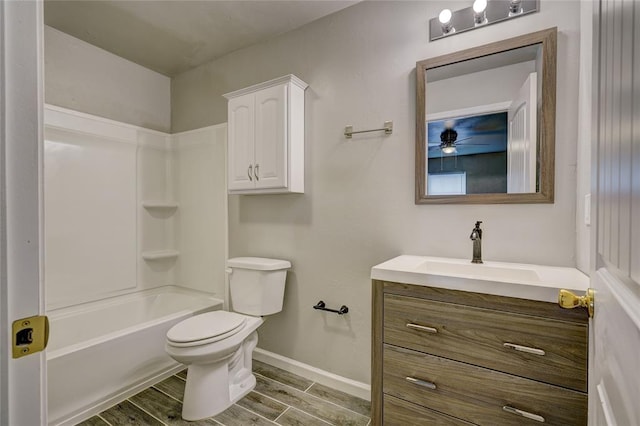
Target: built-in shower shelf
x,y
160,254
159,205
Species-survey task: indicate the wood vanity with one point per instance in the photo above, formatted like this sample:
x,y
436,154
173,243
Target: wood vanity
x,y
446,356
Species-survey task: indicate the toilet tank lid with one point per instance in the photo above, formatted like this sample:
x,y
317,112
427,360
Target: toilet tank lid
x,y
258,263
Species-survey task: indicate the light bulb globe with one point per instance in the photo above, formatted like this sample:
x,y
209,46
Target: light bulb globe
x,y
449,149
445,16
479,6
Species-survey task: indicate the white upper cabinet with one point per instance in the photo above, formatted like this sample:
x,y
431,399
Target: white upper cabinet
x,y
266,137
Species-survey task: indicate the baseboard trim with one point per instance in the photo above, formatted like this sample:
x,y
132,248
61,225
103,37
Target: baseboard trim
x,y
352,387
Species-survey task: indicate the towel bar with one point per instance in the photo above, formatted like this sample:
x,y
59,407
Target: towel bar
x,y
388,129
322,307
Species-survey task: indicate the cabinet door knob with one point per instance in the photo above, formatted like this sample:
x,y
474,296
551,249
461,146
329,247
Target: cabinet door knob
x,y
256,171
249,172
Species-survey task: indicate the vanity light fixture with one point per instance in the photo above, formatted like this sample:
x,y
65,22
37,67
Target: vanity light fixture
x,y
481,13
446,23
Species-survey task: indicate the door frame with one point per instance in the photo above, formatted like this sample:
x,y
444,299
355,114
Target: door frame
x,y
23,380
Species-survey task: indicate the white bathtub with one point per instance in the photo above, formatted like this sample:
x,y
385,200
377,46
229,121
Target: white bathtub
x,y
102,352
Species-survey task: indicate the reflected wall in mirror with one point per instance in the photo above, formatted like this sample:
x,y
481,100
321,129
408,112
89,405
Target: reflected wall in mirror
x,y
485,124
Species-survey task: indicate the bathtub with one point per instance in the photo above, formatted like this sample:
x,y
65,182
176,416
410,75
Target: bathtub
x,y
100,353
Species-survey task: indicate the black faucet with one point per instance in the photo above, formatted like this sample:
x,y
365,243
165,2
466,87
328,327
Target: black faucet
x,y
476,237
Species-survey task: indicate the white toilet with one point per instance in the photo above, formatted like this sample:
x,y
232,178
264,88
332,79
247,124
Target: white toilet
x,y
217,346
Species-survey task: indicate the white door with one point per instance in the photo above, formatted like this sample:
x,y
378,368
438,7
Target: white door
x,y
614,373
23,380
241,122
522,141
271,138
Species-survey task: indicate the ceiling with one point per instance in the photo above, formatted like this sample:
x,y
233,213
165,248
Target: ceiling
x,y
171,37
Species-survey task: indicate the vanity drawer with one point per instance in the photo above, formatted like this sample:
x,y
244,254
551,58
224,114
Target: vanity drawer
x,y
538,348
476,394
402,413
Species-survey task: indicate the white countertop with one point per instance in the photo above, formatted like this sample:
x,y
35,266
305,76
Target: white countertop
x,y
524,281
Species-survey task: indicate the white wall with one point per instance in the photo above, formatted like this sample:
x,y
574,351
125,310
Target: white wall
x,y
85,78
99,176
475,89
199,159
358,208
90,215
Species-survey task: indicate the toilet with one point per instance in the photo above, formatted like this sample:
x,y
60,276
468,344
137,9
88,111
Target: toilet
x,y
217,346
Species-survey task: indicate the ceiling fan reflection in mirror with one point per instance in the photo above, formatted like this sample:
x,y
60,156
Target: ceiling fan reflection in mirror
x,y
448,140
479,134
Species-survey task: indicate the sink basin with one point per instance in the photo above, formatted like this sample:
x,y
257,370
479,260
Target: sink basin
x,y
528,281
478,271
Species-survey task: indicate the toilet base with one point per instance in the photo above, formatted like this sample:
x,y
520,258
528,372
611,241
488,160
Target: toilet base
x,y
214,387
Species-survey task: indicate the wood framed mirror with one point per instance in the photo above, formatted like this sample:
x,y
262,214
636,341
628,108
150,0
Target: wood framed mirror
x,y
485,123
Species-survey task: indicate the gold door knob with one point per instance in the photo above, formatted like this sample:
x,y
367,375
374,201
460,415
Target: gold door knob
x,y
569,300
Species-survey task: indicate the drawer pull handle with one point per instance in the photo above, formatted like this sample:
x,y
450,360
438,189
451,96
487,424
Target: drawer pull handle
x,y
423,383
422,328
526,349
525,414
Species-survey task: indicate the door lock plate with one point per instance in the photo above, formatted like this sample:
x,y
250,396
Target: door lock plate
x,y
30,335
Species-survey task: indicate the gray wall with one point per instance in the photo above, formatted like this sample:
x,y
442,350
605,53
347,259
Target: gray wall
x,y
85,78
358,208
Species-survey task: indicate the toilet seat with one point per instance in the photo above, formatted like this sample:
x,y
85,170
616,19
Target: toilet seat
x,y
205,328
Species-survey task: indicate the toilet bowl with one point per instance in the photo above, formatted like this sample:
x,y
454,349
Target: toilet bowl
x,y
218,346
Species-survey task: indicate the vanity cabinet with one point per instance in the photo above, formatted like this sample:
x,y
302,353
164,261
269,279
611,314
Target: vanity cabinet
x,y
451,357
266,137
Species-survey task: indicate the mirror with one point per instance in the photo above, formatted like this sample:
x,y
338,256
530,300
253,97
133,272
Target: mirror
x,y
485,123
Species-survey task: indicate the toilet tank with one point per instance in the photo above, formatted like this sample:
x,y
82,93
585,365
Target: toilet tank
x,y
256,284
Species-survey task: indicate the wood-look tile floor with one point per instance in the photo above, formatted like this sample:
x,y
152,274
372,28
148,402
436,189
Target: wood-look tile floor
x,y
279,398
